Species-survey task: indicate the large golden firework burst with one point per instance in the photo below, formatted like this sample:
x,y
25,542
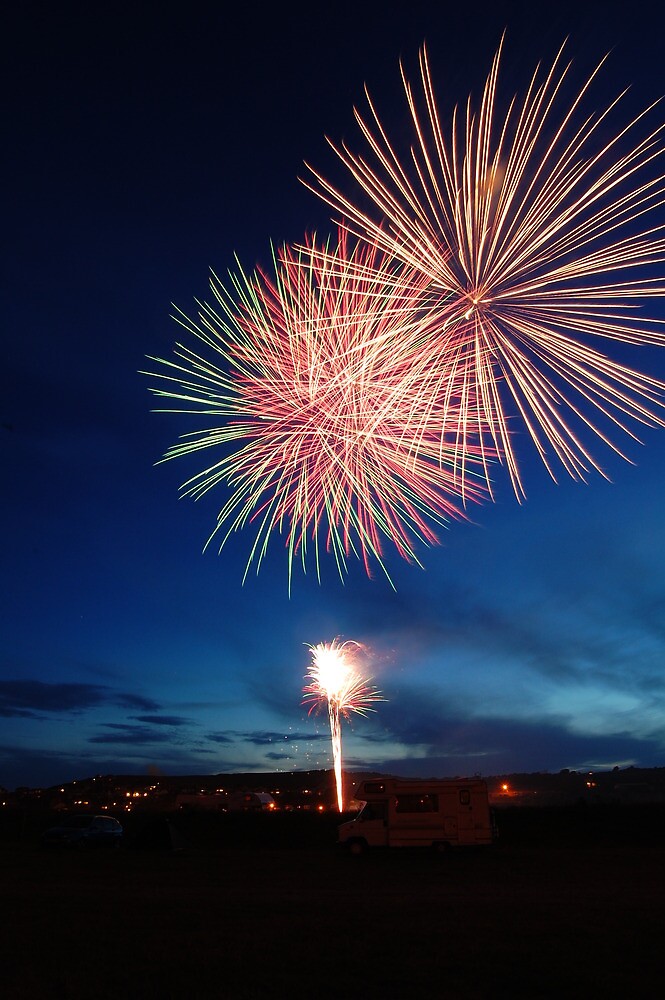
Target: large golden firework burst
x,y
538,227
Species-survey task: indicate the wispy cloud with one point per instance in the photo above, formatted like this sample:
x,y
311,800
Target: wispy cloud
x,y
133,735
262,738
434,739
32,699
163,720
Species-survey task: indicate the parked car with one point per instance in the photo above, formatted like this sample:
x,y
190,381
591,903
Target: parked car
x,y
84,831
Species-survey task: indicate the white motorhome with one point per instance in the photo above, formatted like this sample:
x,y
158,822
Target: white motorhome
x,y
399,812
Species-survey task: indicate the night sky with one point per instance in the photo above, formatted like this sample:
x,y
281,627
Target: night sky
x,y
145,145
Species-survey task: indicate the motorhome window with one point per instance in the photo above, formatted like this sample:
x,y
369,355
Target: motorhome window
x,y
464,797
417,804
374,787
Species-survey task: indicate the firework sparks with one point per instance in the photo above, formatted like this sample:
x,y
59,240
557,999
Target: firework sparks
x,y
315,372
536,228
335,681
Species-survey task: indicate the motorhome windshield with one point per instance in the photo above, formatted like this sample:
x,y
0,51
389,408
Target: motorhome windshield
x,y
373,810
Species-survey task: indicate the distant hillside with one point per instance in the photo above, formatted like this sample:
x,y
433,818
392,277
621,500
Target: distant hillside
x,y
627,784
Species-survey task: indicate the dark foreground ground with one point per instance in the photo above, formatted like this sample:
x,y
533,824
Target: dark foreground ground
x,y
568,903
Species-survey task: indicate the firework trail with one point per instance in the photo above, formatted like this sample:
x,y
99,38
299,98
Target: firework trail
x,y
315,371
335,681
535,226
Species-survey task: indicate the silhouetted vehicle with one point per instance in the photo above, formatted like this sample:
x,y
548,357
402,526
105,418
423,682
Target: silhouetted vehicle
x,y
400,812
83,831
251,802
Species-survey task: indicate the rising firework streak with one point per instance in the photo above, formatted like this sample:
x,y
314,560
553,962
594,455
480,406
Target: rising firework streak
x,y
335,681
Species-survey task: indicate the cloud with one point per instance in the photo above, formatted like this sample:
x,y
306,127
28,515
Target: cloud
x,y
274,689
435,740
603,618
134,735
126,700
31,699
262,739
488,750
220,738
163,720
266,737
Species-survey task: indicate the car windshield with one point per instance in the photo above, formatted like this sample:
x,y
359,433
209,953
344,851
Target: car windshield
x,y
78,822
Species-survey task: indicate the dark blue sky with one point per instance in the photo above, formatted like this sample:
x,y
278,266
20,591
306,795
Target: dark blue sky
x,y
144,147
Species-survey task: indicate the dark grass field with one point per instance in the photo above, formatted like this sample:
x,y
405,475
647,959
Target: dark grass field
x,y
568,903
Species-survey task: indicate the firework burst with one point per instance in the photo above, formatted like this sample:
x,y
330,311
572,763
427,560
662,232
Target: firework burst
x,y
335,681
536,228
316,372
